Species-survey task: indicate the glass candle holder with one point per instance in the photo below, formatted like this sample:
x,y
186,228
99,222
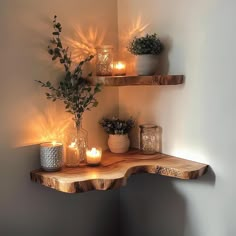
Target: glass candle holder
x,y
104,60
76,144
149,139
72,154
119,68
51,156
93,156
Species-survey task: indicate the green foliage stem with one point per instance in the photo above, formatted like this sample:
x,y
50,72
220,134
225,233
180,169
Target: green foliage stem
x,y
74,90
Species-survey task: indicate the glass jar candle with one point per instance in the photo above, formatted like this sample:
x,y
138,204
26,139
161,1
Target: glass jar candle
x,y
119,68
149,138
93,156
104,60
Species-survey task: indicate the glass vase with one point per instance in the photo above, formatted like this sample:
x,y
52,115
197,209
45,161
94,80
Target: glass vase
x,y
76,145
149,139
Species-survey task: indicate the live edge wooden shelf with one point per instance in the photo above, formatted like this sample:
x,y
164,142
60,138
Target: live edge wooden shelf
x,y
115,170
133,80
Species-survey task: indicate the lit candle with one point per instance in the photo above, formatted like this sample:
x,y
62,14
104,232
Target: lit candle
x,y
72,155
93,156
119,68
51,156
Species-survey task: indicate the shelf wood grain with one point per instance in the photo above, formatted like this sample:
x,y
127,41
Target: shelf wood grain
x,y
137,80
115,170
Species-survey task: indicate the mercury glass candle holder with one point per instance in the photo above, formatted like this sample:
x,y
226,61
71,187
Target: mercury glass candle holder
x,y
149,139
51,156
104,60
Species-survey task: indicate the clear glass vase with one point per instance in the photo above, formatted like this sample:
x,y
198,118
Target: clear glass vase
x,y
76,144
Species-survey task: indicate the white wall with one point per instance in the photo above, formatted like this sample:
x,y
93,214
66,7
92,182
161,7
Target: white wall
x,y
197,117
27,117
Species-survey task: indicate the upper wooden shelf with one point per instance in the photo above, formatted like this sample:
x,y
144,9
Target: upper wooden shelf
x,y
132,80
115,170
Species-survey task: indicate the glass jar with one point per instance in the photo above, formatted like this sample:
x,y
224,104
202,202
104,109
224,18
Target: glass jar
x,y
149,138
76,145
104,60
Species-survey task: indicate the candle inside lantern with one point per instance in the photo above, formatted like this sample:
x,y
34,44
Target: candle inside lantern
x,y
72,155
51,156
119,68
94,156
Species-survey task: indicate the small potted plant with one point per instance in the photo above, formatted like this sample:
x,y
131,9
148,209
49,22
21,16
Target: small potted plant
x,y
147,49
118,141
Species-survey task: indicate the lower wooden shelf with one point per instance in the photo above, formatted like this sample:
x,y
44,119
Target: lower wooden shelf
x,y
115,170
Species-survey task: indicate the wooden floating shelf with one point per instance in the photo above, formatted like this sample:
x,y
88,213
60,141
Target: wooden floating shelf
x,y
115,170
131,80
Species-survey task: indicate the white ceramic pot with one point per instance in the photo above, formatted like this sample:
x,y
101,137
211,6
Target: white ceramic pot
x,y
118,143
146,64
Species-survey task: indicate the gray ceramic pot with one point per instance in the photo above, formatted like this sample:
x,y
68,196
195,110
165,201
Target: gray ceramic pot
x,y
146,64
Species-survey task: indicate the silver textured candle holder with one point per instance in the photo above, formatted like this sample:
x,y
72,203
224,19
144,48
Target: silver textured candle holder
x,y
51,156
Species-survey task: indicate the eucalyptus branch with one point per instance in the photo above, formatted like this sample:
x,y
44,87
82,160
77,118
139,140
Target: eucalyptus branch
x,y
74,90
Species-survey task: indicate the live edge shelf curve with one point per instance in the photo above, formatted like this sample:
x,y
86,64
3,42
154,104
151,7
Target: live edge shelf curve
x,y
132,80
115,170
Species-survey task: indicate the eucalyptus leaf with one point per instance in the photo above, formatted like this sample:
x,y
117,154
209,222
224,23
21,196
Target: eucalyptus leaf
x,y
74,91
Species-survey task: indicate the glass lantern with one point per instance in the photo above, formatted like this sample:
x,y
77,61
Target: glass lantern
x,y
149,139
104,60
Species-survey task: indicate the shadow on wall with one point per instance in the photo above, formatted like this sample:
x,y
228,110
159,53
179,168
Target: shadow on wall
x,y
163,68
30,209
146,207
151,205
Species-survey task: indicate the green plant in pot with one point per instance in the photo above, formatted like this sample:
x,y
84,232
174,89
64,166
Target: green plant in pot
x,y
118,141
74,91
146,49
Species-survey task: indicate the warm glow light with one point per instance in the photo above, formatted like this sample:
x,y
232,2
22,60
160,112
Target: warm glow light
x,y
54,143
119,68
83,43
135,28
72,145
51,144
94,175
94,156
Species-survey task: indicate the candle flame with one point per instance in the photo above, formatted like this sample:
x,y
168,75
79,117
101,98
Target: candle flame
x,y
120,66
54,143
72,145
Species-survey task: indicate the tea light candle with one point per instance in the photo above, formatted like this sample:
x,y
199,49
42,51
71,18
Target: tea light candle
x,y
119,68
93,156
72,155
51,156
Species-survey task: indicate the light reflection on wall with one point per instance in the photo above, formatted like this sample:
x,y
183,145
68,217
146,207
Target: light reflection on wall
x,y
49,124
127,33
83,43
